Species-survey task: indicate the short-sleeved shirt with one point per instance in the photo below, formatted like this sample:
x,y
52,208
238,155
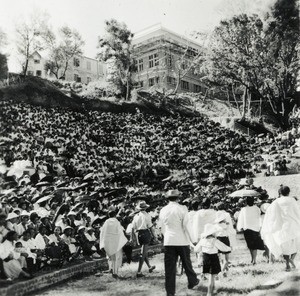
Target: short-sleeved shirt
x,y
141,221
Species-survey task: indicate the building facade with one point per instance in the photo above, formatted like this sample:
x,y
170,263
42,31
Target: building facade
x,y
81,69
166,61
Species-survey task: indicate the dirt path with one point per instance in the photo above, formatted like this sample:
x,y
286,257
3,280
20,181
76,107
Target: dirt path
x,y
241,280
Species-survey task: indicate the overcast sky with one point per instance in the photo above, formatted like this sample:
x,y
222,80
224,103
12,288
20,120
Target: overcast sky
x,y
88,16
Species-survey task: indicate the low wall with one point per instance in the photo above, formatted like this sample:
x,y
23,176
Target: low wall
x,y
47,280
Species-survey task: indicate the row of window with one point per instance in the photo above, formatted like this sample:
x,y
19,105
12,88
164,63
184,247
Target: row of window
x,y
76,63
154,61
77,78
185,85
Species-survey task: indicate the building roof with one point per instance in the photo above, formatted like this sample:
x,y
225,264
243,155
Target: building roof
x,y
158,30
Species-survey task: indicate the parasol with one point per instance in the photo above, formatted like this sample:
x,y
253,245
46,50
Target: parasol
x,y
244,192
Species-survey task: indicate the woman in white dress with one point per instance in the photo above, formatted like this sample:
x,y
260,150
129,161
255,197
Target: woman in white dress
x,y
281,227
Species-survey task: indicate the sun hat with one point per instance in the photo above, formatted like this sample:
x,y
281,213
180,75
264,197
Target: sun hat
x,y
209,229
220,216
264,207
71,213
142,206
12,216
24,213
81,227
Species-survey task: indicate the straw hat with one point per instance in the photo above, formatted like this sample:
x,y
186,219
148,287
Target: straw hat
x,y
142,206
11,216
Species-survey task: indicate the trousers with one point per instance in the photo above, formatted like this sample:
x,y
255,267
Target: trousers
x,y
171,256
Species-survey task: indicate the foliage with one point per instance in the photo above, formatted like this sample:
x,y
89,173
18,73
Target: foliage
x,y
3,66
259,57
116,50
62,51
30,37
3,38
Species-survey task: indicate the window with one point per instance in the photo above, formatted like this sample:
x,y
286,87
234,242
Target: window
x,y
141,83
140,65
77,78
37,61
153,60
88,65
76,62
184,65
169,61
157,80
171,80
197,88
30,73
39,73
151,81
184,85
88,80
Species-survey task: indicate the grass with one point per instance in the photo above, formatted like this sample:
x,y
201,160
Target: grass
x,y
241,279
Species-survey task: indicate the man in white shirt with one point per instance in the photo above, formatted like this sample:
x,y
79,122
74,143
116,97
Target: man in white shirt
x,y
174,219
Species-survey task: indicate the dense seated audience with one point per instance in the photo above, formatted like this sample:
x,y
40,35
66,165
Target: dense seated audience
x,y
61,170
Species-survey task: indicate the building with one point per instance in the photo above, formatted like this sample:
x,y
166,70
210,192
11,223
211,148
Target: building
x,y
164,60
81,69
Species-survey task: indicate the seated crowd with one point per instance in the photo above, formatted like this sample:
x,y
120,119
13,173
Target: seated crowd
x,y
61,170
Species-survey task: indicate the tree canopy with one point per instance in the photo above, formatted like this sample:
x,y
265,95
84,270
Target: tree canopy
x,y
63,49
116,50
259,56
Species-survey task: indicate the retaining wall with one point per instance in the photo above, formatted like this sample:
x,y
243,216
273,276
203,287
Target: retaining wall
x,y
47,280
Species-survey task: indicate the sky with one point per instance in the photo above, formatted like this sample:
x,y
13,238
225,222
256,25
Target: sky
x,y
88,16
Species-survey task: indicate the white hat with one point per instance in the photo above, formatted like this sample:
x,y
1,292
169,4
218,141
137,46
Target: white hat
x,y
173,193
24,213
11,216
209,229
220,216
264,207
72,213
81,227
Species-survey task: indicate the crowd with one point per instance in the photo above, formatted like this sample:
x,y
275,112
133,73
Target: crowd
x,y
61,172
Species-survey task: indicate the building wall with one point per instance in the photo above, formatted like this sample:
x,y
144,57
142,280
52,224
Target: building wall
x,y
81,69
158,51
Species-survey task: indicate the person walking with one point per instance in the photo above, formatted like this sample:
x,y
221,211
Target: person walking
x,y
174,220
142,233
249,222
281,227
112,240
210,245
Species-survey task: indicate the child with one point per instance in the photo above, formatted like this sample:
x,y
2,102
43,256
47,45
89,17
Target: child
x,y
226,235
210,245
19,248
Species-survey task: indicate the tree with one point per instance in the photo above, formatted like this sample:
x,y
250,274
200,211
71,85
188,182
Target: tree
x,y
63,50
3,58
3,66
30,37
260,57
187,60
2,38
116,50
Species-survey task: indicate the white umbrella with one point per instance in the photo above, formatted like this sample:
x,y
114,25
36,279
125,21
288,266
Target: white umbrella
x,y
244,192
